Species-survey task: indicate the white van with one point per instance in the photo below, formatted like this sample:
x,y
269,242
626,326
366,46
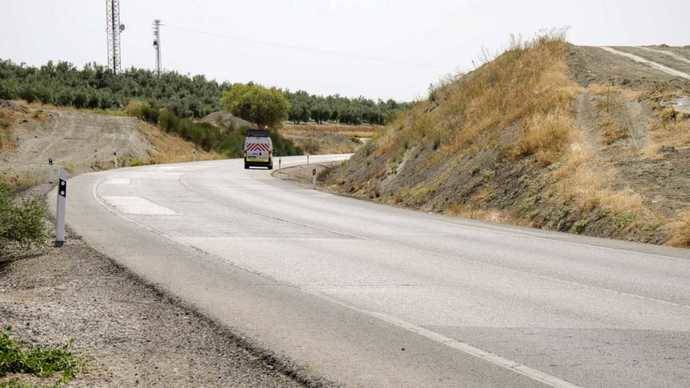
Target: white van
x,y
258,149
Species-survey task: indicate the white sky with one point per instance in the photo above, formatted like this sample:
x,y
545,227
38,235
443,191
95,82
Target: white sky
x,y
374,48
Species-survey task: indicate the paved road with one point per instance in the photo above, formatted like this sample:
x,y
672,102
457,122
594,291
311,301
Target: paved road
x,y
369,295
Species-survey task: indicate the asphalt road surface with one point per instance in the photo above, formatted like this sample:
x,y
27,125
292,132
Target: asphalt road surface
x,y
364,294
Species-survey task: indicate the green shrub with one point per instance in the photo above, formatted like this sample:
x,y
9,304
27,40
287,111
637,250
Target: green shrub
x,y
37,361
64,98
8,89
21,222
28,93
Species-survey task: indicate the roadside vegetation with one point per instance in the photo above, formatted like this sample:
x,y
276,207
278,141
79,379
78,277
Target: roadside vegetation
x,y
519,141
210,135
95,87
17,359
22,222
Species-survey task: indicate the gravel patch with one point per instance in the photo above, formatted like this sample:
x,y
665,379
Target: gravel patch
x,y
128,333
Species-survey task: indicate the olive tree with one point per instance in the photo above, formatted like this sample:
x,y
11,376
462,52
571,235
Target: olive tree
x,y
265,107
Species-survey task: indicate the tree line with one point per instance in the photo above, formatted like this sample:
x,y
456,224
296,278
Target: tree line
x,y
96,87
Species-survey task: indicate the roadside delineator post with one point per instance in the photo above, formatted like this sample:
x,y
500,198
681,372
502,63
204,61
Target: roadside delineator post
x,y
60,214
307,159
280,163
313,178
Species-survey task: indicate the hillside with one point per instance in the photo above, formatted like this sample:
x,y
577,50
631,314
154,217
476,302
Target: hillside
x,y
328,138
547,135
81,141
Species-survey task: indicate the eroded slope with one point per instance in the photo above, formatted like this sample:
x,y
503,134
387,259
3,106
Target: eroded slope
x,y
547,135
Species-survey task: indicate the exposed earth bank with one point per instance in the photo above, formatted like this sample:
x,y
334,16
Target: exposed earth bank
x,y
548,135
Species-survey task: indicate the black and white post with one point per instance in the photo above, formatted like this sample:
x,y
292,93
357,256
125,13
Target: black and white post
x,y
313,179
60,213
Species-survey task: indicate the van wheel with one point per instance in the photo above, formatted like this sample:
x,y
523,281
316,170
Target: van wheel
x,y
270,166
246,166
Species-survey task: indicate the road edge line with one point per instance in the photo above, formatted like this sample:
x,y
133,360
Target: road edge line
x,y
464,347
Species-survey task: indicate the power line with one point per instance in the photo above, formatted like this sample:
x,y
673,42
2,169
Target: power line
x,y
313,50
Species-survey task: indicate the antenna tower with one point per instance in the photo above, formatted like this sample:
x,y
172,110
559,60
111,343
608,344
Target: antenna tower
x,y
113,28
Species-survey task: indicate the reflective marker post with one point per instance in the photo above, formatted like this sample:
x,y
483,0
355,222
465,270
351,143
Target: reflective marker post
x,y
60,216
313,178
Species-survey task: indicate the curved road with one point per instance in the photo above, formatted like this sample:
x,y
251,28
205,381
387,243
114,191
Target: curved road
x,y
363,294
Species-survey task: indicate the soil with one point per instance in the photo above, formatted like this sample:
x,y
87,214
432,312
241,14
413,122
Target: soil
x,y
127,333
618,129
660,56
590,65
82,141
323,139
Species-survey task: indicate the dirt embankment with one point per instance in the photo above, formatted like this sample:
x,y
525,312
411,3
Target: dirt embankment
x,y
324,139
548,135
80,141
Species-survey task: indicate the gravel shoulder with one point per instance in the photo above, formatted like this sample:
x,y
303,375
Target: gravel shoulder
x,y
128,333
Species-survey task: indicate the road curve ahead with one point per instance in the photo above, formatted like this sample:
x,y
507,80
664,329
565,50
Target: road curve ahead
x,y
369,295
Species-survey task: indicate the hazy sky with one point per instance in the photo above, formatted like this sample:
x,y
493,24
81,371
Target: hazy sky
x,y
375,48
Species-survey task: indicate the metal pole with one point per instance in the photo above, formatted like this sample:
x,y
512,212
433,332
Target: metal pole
x,y
157,44
280,163
61,204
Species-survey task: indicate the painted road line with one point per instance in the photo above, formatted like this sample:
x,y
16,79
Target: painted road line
x,y
466,348
137,206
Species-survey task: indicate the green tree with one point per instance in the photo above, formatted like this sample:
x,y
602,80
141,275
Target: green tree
x,y
255,103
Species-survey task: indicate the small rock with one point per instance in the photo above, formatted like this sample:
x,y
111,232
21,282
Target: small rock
x,y
668,149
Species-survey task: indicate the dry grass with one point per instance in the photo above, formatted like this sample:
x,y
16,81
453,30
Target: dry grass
x,y
7,143
680,230
170,148
545,136
586,182
491,215
527,86
349,130
328,138
18,181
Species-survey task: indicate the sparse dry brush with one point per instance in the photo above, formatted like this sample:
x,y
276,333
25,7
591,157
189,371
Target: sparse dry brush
x,y
170,149
680,230
526,88
503,143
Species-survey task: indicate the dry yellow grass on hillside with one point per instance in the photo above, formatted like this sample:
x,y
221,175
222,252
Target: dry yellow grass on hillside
x,y
171,149
526,89
328,138
519,141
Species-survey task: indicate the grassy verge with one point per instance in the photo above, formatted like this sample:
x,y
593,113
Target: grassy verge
x,y
21,222
41,362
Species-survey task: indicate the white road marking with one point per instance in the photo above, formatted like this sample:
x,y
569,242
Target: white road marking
x,y
118,181
657,66
138,206
466,348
